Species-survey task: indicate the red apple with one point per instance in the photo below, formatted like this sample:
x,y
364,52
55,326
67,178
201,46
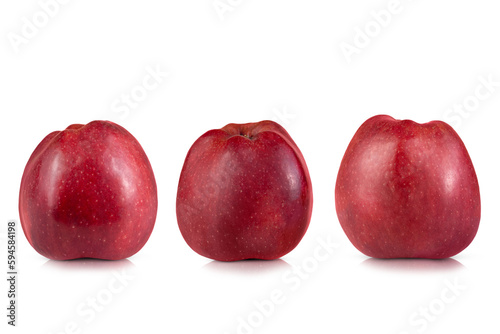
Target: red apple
x,y
407,190
88,192
244,193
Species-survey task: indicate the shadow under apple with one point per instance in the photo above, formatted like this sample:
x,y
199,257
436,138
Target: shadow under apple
x,y
247,267
413,265
87,265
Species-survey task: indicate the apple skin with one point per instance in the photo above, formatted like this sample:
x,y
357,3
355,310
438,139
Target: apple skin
x,y
88,192
244,193
407,190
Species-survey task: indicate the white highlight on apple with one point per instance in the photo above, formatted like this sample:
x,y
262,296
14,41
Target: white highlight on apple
x,y
363,36
429,313
293,279
459,111
123,105
223,7
39,20
87,310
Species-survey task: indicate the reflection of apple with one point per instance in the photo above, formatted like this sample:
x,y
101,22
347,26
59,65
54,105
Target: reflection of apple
x,y
244,192
88,192
407,190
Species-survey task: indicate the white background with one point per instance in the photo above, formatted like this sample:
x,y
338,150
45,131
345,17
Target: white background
x,y
278,60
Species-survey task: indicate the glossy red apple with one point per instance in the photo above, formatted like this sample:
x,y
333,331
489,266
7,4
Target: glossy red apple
x,y
244,193
407,190
88,192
